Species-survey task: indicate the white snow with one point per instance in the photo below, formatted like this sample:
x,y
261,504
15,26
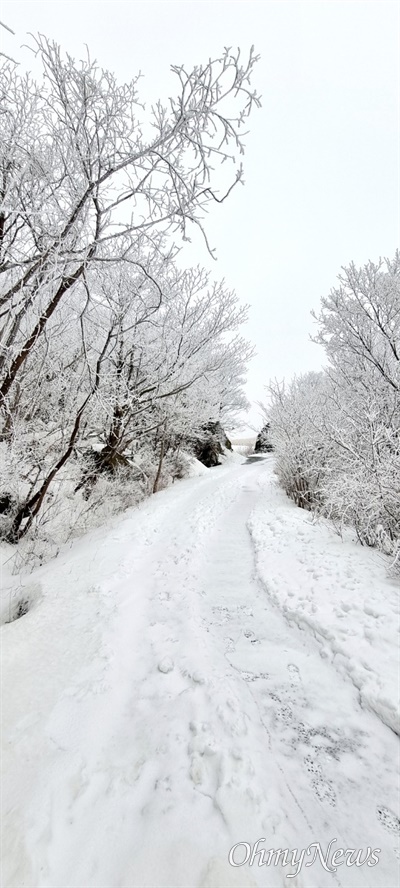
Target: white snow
x,y
194,468
340,593
164,700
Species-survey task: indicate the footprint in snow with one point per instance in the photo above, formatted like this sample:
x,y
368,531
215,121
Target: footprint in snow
x,y
294,673
253,676
204,757
388,819
323,788
166,665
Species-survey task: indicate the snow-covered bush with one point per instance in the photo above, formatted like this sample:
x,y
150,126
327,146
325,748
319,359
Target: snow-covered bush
x,y
208,443
263,441
19,600
359,326
337,433
294,417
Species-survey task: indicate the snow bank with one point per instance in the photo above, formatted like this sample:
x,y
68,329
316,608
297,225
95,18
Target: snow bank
x,y
195,469
232,456
337,591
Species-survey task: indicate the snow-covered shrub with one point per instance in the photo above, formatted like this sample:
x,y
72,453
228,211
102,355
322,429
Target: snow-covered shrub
x,y
209,442
362,483
294,418
359,326
71,508
337,433
263,441
19,601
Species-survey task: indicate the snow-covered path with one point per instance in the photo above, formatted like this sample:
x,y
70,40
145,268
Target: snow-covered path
x,y
160,708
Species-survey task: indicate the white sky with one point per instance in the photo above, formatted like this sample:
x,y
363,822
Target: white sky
x,y
322,161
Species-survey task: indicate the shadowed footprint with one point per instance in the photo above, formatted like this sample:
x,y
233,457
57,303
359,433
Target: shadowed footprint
x,y
323,788
388,819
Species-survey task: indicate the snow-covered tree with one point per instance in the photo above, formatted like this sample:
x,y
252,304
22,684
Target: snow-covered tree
x,y
359,324
83,178
99,329
295,419
337,434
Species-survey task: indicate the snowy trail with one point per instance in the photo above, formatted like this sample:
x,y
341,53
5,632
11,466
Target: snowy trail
x,y
190,715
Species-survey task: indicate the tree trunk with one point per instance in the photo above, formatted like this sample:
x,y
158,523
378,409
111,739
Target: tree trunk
x,y
160,461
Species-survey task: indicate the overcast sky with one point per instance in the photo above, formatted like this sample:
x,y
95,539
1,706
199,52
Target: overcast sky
x,y
322,160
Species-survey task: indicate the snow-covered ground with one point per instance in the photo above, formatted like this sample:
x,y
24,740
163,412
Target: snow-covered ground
x,y
181,685
339,592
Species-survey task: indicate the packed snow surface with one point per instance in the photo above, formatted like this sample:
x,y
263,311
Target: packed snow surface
x,y
212,668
